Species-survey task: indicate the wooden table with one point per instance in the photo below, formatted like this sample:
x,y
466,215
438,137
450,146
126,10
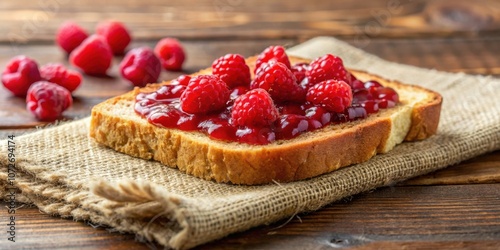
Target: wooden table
x,y
455,208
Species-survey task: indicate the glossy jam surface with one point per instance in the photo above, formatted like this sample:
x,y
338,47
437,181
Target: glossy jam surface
x,y
162,108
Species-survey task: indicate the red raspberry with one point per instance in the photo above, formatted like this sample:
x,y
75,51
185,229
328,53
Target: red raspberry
x,y
334,95
279,81
19,74
70,35
325,68
181,80
93,56
116,35
232,69
140,66
254,108
171,54
276,53
47,100
57,73
203,94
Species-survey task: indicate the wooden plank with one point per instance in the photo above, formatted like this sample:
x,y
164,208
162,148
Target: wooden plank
x,y
468,55
23,21
482,169
35,230
392,217
443,245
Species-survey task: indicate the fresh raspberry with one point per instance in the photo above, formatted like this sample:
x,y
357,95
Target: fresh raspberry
x,y
204,93
47,100
57,73
70,35
334,95
116,35
254,108
232,69
181,80
279,81
19,74
140,66
276,53
93,56
171,54
325,68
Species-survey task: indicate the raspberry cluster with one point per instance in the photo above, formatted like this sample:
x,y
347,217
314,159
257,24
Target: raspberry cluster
x,y
282,100
93,55
47,89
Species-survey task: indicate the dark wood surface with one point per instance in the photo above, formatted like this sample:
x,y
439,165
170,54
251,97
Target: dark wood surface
x,y
456,208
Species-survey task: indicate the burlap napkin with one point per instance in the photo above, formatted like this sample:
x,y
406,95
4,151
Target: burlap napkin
x,y
65,173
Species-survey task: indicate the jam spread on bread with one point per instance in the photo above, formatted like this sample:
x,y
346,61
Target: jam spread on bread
x,y
280,102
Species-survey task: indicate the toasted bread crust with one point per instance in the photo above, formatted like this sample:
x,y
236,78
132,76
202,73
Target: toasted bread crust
x,y
115,124
425,119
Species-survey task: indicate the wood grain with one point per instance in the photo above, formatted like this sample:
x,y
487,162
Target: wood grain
x,y
25,20
482,169
431,217
35,230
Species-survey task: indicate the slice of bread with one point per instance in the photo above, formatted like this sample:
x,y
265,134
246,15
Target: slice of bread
x,y
115,124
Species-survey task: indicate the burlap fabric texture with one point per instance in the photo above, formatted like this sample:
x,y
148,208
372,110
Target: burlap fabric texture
x,y
63,172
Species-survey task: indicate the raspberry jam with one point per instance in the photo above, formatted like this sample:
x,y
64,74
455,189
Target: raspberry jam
x,y
162,108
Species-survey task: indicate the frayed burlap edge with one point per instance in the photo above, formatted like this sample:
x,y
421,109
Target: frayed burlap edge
x,y
129,206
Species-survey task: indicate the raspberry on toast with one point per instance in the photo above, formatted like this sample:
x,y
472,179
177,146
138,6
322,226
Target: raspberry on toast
x,y
115,124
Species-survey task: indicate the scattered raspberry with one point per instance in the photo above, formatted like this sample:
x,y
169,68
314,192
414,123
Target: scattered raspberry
x,y
181,80
276,53
116,35
70,35
325,68
140,66
204,93
19,74
171,54
57,73
279,81
93,56
254,108
232,69
334,95
47,100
